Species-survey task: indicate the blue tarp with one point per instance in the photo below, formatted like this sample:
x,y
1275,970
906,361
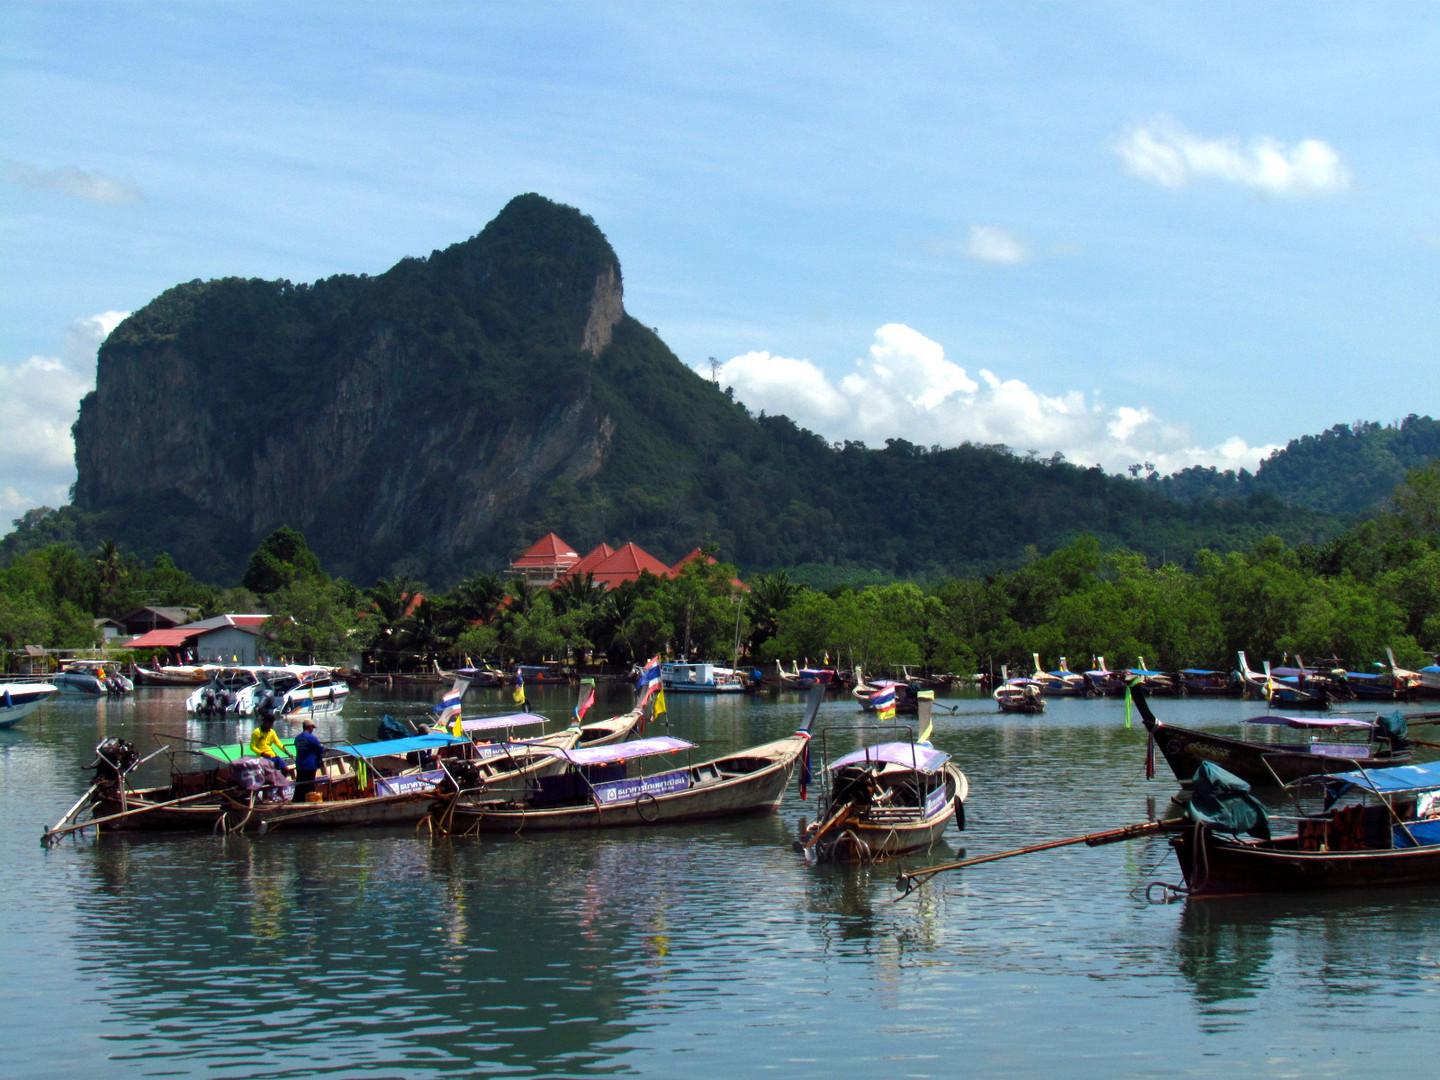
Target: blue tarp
x,y
400,746
1391,780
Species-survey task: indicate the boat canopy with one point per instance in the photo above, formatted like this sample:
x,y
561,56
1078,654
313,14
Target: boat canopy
x,y
407,745
1221,800
1309,721
617,752
495,723
1392,780
235,751
917,756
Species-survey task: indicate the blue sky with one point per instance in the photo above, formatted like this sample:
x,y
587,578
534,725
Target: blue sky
x,y
1174,233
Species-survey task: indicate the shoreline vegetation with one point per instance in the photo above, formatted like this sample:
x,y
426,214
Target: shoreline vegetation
x,y
1375,587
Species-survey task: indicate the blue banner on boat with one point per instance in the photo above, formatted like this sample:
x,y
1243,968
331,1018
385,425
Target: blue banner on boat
x,y
935,802
409,785
627,790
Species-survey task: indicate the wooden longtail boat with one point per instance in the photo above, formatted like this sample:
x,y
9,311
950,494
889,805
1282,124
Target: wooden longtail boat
x,y
1022,695
597,788
1389,836
596,791
1265,763
885,800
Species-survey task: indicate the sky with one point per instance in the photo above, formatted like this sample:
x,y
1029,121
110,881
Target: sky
x,y
1128,233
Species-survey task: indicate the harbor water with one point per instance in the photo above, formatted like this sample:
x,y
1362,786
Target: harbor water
x,y
707,949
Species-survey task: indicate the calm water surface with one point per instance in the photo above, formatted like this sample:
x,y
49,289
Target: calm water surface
x,y
701,950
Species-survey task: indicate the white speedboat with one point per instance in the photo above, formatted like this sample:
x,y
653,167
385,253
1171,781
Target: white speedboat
x,y
19,699
287,691
96,678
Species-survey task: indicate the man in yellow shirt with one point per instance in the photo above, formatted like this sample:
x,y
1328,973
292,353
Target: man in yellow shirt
x,y
264,743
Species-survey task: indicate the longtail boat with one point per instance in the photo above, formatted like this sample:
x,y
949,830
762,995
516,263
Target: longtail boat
x,y
1380,827
635,782
1273,763
886,800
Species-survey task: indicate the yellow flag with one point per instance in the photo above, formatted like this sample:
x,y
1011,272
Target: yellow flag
x,y
660,703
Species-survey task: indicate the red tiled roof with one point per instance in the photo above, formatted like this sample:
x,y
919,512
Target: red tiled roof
x,y
594,559
626,564
548,551
169,638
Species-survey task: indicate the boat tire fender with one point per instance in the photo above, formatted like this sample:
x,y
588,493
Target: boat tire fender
x,y
960,814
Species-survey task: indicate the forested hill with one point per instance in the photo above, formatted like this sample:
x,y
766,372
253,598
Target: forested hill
x,y
437,418
1350,469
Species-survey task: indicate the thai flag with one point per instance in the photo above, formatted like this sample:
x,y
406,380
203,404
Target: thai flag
x,y
449,707
649,680
883,701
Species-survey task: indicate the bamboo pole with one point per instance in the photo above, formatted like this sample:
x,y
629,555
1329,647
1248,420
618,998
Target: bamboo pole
x,y
50,836
908,883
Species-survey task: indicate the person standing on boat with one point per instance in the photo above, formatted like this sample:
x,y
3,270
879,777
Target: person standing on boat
x,y
309,759
264,743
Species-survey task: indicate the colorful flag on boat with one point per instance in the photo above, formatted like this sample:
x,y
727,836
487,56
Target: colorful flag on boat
x,y
660,708
447,713
649,680
587,698
883,701
519,694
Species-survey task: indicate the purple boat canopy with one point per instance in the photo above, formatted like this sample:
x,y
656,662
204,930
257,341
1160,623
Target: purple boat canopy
x,y
1309,721
917,756
495,723
617,752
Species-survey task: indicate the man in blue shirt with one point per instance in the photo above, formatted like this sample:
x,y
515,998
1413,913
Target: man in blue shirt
x,y
309,758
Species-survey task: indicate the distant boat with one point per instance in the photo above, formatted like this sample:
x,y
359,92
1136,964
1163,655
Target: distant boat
x,y
1061,683
92,678
1103,680
174,675
906,697
1206,682
19,699
701,678
1022,695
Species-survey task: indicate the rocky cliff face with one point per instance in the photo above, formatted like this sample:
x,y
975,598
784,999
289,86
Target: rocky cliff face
x,y
401,422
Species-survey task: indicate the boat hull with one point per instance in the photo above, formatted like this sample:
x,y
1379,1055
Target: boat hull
x,y
1213,865
19,700
1185,750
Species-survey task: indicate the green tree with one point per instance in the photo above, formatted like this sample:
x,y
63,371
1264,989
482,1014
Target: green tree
x,y
281,557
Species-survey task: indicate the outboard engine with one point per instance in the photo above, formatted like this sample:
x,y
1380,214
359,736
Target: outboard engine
x,y
114,758
461,775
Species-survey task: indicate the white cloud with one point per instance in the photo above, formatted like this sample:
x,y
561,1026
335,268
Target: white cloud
x,y
82,183
43,396
1161,151
992,244
905,388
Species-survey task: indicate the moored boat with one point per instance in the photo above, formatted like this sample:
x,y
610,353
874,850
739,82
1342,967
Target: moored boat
x,y
1275,763
284,691
92,678
1021,695
19,699
684,677
886,799
1380,827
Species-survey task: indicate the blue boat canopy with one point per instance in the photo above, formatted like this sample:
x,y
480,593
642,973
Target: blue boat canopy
x,y
919,756
407,745
617,752
1394,780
